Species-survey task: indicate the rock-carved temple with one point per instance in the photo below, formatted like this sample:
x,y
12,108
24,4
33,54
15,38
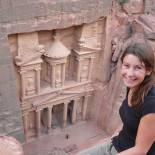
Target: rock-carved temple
x,y
54,79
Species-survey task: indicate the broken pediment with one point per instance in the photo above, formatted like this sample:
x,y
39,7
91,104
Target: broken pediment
x,y
87,36
29,49
33,58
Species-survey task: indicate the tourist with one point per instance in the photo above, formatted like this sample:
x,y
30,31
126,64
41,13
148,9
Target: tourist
x,y
137,112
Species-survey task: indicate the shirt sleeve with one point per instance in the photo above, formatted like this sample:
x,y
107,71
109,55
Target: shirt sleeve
x,y
148,106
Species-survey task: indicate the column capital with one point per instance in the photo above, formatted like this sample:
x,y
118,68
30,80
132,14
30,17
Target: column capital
x,y
66,102
37,69
25,114
50,107
53,64
88,94
77,98
38,110
22,71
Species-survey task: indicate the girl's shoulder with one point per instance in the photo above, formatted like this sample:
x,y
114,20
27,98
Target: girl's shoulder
x,y
148,105
151,92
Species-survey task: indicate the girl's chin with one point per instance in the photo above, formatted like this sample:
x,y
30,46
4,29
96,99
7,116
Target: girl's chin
x,y
130,85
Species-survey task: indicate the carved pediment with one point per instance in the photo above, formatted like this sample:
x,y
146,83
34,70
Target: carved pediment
x,y
33,56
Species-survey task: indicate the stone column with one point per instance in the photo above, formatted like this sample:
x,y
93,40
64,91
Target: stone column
x,y
49,119
90,68
84,108
53,76
38,122
38,81
25,122
63,73
65,110
22,84
74,110
43,70
79,71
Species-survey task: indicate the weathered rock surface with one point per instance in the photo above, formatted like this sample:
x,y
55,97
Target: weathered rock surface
x,y
9,145
26,16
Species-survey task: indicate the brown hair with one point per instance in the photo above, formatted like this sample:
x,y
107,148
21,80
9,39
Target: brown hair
x,y
145,54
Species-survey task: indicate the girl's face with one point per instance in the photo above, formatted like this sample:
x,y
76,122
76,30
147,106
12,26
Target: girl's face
x,y
133,71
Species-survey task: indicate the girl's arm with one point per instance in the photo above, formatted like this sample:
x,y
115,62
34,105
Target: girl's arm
x,y
145,136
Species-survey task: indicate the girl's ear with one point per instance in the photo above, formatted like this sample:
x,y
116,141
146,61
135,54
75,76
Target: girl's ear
x,y
148,71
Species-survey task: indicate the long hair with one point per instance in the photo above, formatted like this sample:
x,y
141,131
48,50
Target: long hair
x,y
145,53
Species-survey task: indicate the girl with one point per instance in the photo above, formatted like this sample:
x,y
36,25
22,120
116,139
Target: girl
x,y
137,111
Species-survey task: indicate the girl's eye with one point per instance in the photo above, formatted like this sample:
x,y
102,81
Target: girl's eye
x,y
138,67
126,65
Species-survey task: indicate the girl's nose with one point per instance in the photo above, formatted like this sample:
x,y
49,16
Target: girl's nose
x,y
130,72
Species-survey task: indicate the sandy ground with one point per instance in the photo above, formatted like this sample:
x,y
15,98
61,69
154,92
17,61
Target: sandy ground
x,y
66,141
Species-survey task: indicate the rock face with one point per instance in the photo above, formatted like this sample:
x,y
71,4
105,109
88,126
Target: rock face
x,y
59,61
149,6
9,145
40,15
